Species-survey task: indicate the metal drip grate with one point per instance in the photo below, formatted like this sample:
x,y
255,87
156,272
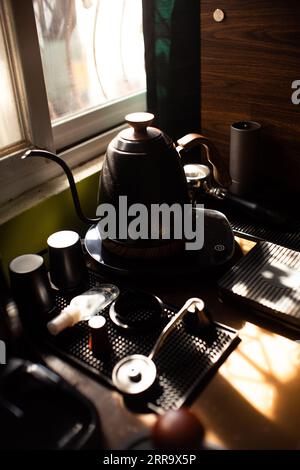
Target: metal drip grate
x,y
184,362
247,227
268,280
286,239
257,231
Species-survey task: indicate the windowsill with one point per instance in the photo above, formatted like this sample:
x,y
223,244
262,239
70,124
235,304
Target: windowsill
x,y
53,187
18,181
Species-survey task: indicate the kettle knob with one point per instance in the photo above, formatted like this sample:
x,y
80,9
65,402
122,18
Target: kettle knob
x,y
139,122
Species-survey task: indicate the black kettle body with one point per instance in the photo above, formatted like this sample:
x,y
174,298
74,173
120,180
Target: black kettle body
x,y
142,164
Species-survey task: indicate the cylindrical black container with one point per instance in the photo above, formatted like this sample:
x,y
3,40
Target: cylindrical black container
x,y
244,157
67,266
98,336
31,289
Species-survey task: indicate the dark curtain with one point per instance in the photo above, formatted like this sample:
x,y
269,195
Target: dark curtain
x,y
172,58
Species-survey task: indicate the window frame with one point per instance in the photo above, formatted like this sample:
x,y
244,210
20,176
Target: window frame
x,y
18,177
87,123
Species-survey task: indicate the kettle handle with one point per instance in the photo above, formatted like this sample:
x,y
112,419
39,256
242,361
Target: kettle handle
x,y
220,171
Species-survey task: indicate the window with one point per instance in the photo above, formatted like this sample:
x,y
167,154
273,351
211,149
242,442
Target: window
x,y
92,54
91,51
10,127
80,69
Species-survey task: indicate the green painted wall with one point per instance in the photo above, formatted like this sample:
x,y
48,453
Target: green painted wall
x,y
28,232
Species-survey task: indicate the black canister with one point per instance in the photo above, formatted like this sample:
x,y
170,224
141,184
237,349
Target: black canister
x,y
244,157
67,267
31,289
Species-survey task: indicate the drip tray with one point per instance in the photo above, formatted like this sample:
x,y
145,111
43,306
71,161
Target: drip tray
x,y
184,364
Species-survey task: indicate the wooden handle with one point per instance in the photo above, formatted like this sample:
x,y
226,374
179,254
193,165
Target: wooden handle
x,y
220,171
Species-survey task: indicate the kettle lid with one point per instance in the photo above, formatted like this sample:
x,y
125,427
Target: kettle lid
x,y
140,129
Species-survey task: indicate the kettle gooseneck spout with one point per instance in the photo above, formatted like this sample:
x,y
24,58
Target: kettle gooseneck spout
x,y
51,156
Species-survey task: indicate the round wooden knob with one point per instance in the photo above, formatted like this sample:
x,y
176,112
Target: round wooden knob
x,y
178,429
139,121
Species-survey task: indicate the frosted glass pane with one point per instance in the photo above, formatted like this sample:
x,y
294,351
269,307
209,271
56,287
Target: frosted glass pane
x,y
92,52
10,132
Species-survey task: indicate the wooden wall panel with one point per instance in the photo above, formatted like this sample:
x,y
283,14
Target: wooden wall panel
x,y
248,63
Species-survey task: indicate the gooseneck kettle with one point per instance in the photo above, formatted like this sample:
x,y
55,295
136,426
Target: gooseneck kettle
x,y
143,164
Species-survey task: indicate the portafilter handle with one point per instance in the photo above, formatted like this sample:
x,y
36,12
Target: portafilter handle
x,y
198,304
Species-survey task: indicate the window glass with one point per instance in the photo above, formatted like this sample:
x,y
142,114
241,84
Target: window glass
x,y
10,131
92,52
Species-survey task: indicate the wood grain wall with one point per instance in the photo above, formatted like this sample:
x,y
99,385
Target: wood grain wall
x,y
248,63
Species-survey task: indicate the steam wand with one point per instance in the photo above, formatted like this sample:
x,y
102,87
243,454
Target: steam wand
x,y
51,156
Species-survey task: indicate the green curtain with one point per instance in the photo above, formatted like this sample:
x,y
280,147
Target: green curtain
x,y
172,58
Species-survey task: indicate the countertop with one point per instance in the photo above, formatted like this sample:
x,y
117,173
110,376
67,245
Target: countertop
x,y
252,402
